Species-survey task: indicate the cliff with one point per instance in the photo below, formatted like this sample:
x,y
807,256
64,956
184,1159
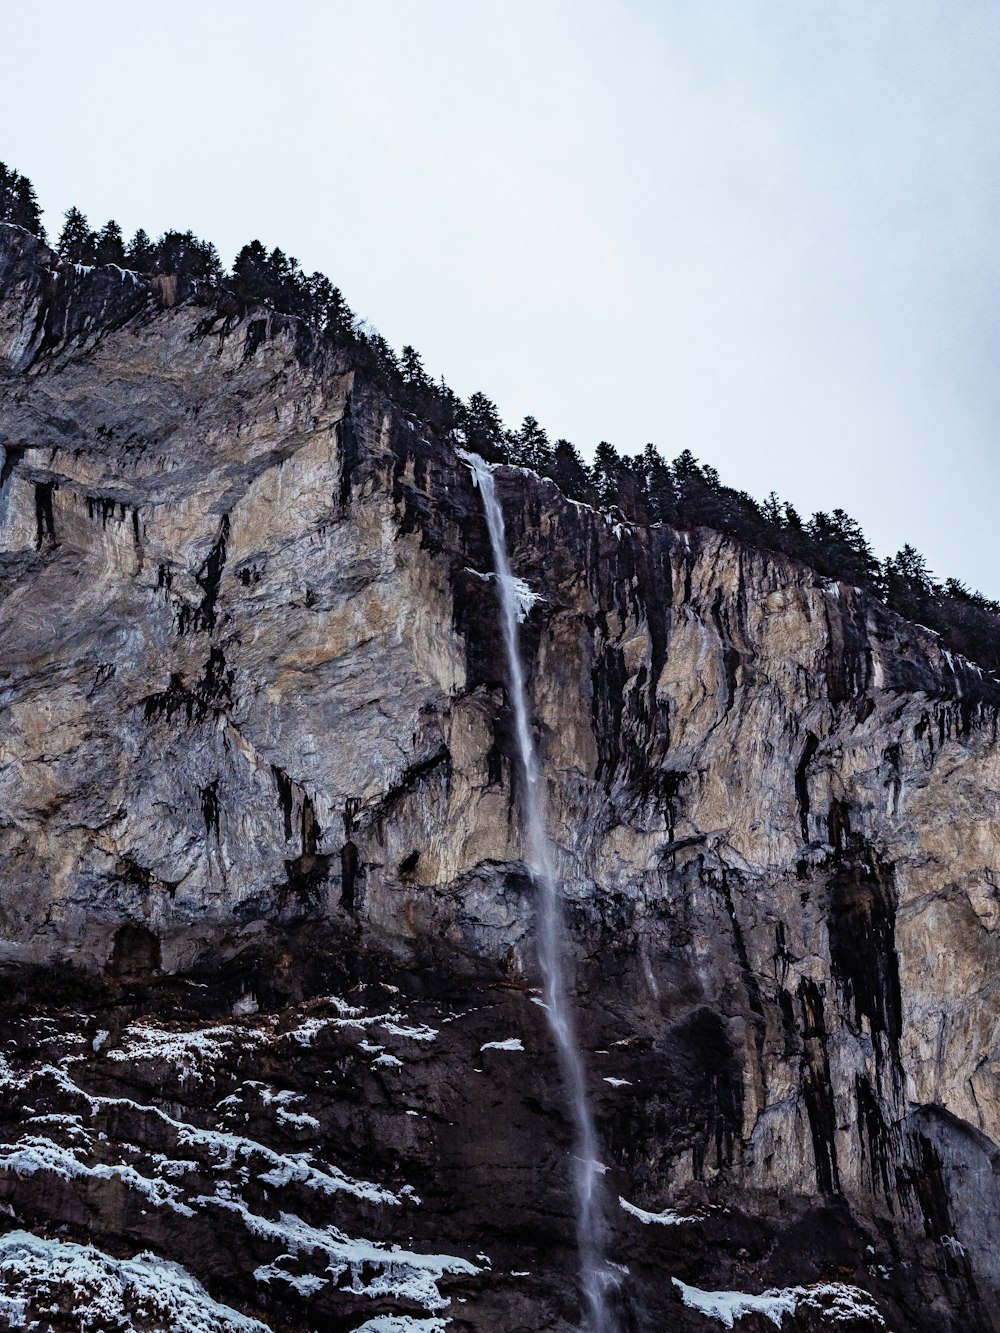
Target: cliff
x,y
267,932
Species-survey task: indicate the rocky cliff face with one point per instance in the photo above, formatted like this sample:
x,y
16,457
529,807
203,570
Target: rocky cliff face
x,y
268,936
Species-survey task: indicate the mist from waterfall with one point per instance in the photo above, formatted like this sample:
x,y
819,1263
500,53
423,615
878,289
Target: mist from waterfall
x,y
538,856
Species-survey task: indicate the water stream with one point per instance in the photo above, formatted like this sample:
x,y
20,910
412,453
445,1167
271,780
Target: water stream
x,y
538,857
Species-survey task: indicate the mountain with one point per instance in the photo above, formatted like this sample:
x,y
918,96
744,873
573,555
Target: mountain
x,y
273,1048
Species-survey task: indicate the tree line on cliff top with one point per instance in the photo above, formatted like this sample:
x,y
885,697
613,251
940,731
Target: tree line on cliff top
x,y
645,487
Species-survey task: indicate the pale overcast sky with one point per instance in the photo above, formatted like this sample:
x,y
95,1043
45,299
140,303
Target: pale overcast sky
x,y
767,232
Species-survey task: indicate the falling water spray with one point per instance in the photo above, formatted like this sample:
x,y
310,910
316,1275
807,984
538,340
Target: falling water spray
x,y
538,854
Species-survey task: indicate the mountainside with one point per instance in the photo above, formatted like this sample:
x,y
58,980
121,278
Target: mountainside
x,y
268,933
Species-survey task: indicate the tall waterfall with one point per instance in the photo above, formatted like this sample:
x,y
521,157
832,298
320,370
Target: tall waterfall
x,y
538,855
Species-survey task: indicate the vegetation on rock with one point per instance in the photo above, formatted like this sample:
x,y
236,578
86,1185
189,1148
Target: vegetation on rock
x,y
645,487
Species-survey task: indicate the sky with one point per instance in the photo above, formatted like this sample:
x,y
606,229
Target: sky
x,y
762,230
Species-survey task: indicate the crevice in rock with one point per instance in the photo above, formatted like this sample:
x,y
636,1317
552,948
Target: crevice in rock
x,y
863,959
210,806
45,527
208,578
349,452
816,1087
286,798
874,1140
349,874
13,453
802,782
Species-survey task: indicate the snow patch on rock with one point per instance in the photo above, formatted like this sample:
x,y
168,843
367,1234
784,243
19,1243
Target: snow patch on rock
x,y
104,1292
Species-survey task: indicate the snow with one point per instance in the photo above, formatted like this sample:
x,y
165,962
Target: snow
x,y
111,1293
306,1033
390,1271
619,1082
511,1044
33,1154
387,1061
668,1218
391,1323
100,1039
305,1286
297,1119
524,598
839,1302
282,1100
184,1050
836,1302
284,1168
729,1306
420,1033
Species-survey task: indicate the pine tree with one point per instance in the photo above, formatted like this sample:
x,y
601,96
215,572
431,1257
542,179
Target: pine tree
x,y
482,427
686,467
605,473
530,446
250,272
77,243
907,585
662,497
772,510
140,252
18,204
384,354
328,309
567,470
631,495
412,368
182,254
110,245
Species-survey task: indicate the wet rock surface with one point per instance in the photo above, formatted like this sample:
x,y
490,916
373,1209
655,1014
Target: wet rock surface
x,y
268,937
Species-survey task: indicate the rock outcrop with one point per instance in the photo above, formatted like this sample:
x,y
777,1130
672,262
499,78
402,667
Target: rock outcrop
x,y
267,933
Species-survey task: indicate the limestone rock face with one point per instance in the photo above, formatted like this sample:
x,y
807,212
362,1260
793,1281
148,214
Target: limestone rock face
x,y
267,932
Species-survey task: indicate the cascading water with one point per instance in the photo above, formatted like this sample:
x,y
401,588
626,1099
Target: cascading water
x,y
586,1168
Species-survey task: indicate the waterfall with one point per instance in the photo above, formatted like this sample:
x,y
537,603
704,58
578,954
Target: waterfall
x,y
538,856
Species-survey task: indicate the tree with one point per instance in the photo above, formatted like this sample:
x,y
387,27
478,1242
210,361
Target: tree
x,y
250,272
907,585
660,491
842,548
529,446
183,254
686,467
18,203
910,565
109,247
140,252
77,243
480,423
631,494
328,309
567,470
412,368
383,352
604,473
